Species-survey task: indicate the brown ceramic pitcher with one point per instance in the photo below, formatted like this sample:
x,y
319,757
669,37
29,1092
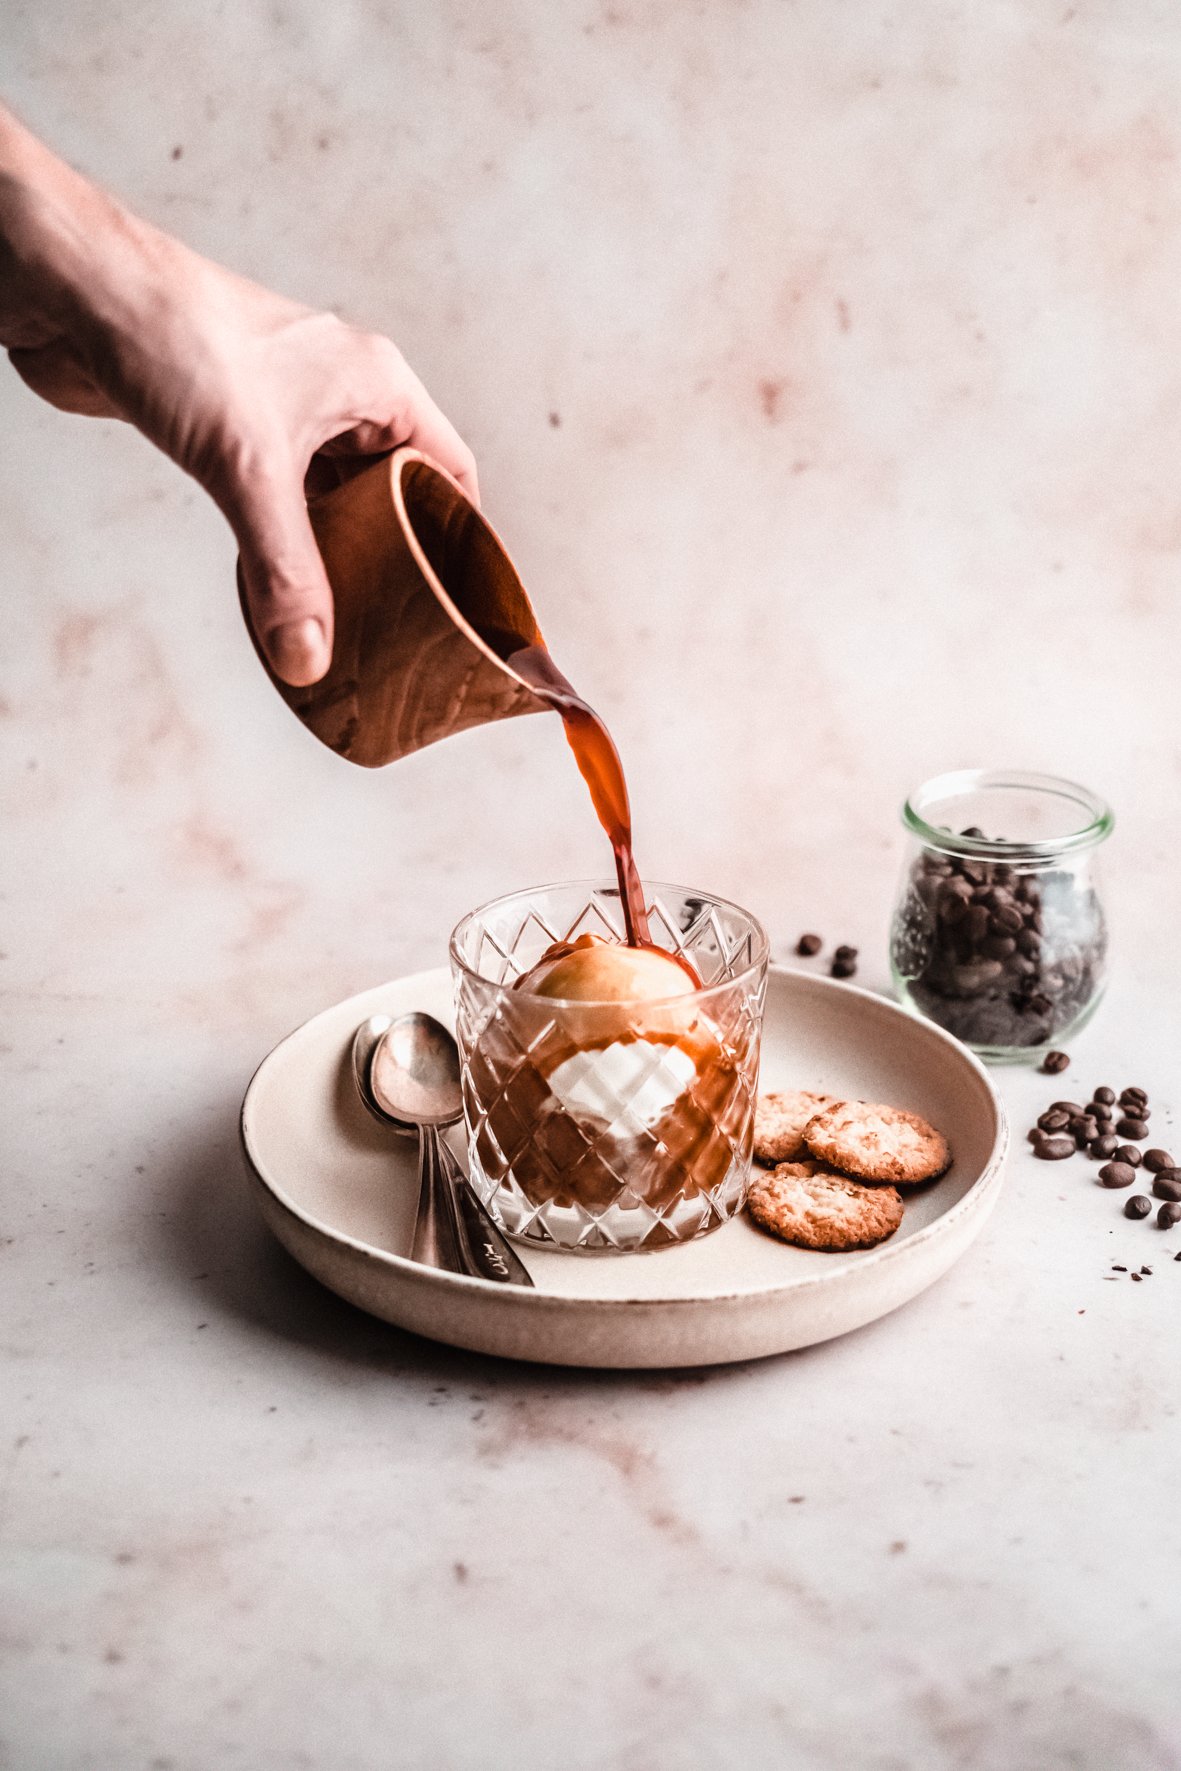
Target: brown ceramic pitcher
x,y
428,606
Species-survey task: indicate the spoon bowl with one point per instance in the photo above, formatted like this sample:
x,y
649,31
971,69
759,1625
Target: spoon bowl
x,y
414,1072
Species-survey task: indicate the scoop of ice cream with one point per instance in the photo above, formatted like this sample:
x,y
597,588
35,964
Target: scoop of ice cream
x,y
592,969
605,990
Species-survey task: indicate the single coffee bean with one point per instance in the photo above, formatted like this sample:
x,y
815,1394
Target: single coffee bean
x,y
1106,1095
1157,1159
1129,1095
1128,1153
1054,1119
1169,1214
1053,1062
843,968
1054,1149
1166,1187
1101,1111
808,945
975,923
1137,1206
1070,1107
1103,1147
1008,920
1116,1174
1132,1128
843,952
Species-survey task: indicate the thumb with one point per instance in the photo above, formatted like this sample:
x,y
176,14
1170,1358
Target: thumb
x,y
286,587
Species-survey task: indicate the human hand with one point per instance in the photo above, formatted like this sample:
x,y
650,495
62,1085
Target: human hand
x,y
255,396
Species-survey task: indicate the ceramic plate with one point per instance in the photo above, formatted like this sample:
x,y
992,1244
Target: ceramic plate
x,y
339,1192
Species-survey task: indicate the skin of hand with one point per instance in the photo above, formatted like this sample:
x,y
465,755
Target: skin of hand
x,y
256,397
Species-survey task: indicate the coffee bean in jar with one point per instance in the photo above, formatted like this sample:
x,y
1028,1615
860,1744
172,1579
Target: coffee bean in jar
x,y
999,932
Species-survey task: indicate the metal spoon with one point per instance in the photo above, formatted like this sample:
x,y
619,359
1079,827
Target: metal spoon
x,y
407,1074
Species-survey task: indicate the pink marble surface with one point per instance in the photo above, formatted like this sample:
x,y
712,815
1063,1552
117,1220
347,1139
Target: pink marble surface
x,y
823,371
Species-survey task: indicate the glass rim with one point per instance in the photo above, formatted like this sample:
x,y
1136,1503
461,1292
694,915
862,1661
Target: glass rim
x,y
610,887
1100,819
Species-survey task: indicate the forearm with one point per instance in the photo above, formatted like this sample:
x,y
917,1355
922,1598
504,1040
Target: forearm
x,y
66,246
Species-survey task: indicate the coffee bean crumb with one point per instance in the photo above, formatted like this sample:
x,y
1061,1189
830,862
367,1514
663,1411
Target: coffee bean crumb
x,y
843,968
1115,1266
1136,1278
1147,1271
1053,1062
845,952
808,946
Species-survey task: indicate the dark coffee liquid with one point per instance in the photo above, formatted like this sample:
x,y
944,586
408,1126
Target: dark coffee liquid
x,y
600,767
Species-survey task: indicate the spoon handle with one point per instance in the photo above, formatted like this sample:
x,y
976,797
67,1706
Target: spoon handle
x,y
436,1230
489,1253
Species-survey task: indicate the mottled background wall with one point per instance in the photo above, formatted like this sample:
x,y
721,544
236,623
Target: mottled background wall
x,y
822,367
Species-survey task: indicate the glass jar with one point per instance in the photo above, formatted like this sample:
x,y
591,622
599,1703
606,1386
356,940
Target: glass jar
x,y
999,932
606,1126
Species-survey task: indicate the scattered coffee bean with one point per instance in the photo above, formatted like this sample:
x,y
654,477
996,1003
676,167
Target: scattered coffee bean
x,y
1105,1146
1168,1185
1100,1110
843,968
1128,1153
1132,1128
1085,1130
1053,1062
1132,1097
1169,1214
1106,1095
1116,1174
808,945
1070,1108
1055,1120
845,953
1156,1160
1054,1149
1136,1207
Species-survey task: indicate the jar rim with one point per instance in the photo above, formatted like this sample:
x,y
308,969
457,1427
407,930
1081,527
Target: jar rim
x,y
1098,819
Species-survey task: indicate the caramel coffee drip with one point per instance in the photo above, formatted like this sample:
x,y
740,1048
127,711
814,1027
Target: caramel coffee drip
x,y
600,767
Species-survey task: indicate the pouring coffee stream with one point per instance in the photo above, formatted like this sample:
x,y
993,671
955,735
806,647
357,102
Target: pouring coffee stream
x,y
434,634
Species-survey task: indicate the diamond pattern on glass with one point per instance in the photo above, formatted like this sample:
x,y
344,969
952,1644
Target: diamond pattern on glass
x,y
587,1132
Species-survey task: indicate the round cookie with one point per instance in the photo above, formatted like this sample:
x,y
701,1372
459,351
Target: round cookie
x,y
780,1118
811,1205
876,1143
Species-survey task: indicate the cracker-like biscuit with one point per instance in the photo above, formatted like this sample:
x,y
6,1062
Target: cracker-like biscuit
x,y
876,1143
780,1118
809,1204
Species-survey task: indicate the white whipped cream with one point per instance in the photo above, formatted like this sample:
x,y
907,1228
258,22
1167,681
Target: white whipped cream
x,y
627,1086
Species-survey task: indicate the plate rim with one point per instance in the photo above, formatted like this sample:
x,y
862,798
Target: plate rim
x,y
888,1253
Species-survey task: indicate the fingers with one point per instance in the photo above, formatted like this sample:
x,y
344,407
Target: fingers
x,y
57,375
287,589
399,410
